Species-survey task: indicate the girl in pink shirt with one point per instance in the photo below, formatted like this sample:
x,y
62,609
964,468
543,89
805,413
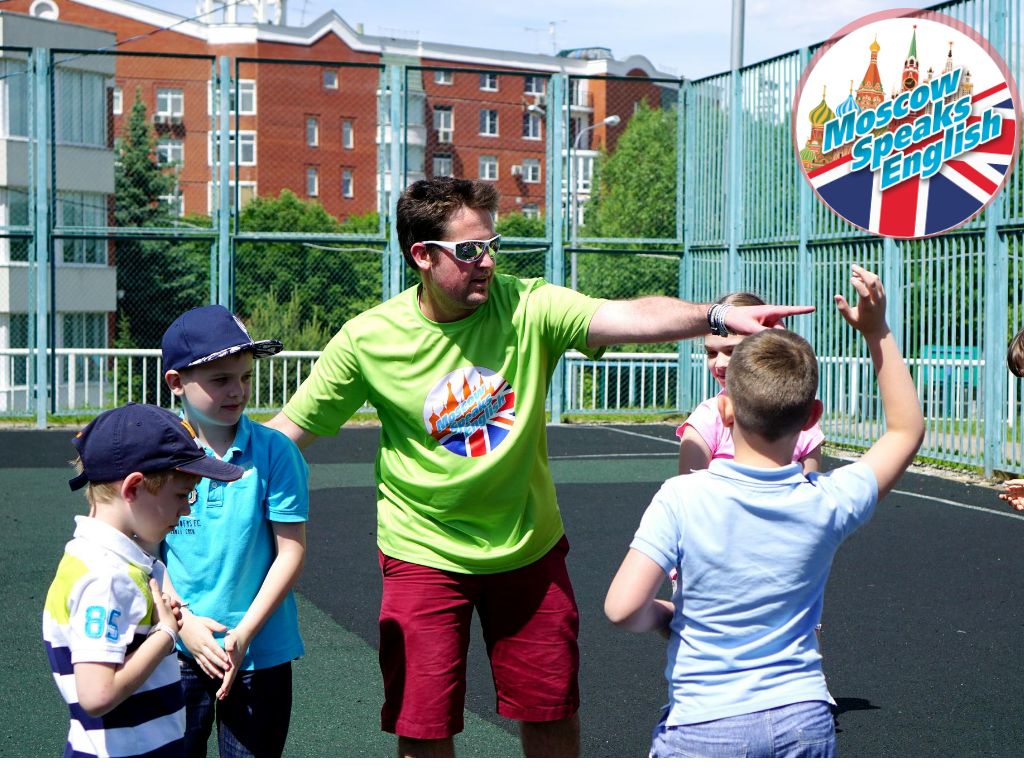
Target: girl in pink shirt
x,y
703,436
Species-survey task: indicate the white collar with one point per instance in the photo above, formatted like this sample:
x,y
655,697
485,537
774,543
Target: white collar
x,y
105,535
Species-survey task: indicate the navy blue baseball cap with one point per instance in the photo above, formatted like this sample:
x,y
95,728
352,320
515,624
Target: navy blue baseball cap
x,y
142,438
209,333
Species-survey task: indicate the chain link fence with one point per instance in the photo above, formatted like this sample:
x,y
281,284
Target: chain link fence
x,y
138,185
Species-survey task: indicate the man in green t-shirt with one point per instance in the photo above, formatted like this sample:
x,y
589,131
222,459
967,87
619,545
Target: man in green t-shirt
x,y
457,368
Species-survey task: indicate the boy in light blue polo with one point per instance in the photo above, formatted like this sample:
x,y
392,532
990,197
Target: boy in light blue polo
x,y
753,541
234,560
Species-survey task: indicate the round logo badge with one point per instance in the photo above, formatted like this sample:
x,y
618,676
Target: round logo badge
x,y
470,411
906,126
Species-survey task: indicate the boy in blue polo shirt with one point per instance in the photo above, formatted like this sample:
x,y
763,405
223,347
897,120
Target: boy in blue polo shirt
x,y
234,561
109,631
753,541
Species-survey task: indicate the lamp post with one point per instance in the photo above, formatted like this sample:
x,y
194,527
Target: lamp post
x,y
574,190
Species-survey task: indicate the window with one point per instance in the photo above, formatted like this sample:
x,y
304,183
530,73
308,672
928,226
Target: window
x,y
585,169
531,211
346,183
246,148
576,125
444,77
81,108
312,131
531,170
85,330
246,194
531,126
170,152
348,140
488,122
243,97
81,209
175,202
18,339
331,79
14,103
170,102
14,213
312,182
443,165
578,93
488,81
44,9
444,124
117,101
488,167
535,85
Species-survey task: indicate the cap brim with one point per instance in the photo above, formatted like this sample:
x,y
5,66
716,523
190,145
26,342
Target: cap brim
x,y
215,469
265,348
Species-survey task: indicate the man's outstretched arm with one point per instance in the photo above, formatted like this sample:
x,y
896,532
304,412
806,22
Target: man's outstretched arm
x,y
652,319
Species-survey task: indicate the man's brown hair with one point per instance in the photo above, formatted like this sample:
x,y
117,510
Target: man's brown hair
x,y
426,207
1015,355
772,380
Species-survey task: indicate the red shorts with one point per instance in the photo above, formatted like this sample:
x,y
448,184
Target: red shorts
x,y
530,624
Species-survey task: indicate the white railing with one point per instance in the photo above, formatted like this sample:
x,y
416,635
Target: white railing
x,y
89,380
93,379
621,381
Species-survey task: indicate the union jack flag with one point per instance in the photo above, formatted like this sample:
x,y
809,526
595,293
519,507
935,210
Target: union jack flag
x,y
470,411
920,207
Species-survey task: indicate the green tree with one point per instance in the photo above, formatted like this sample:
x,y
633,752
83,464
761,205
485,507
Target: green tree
x,y
522,259
327,283
156,279
635,186
139,181
273,319
633,198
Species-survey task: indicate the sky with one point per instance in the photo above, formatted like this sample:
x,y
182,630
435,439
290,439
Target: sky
x,y
688,38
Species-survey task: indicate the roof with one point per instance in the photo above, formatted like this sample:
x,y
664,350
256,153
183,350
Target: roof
x,y
332,23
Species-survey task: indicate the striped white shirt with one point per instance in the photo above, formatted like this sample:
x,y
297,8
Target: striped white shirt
x,y
99,609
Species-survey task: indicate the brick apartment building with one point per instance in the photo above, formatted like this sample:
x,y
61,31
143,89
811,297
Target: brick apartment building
x,y
310,114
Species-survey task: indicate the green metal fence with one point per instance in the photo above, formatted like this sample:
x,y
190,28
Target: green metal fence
x,y
618,186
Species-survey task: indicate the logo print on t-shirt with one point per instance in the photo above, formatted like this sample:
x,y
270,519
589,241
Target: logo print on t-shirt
x,y
470,411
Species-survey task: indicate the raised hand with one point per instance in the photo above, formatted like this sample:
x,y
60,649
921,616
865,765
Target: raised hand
x,y
868,316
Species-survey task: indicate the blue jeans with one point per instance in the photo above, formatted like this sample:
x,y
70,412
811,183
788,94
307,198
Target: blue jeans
x,y
805,729
251,722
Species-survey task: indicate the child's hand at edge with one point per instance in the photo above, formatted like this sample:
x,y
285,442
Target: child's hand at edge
x,y
1014,494
236,643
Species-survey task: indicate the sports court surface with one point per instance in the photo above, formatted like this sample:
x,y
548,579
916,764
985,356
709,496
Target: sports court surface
x,y
924,614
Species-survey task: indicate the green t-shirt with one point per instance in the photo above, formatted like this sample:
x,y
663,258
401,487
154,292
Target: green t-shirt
x,y
462,472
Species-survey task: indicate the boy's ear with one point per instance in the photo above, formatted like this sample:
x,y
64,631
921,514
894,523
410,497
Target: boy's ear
x,y
173,379
816,410
130,486
725,410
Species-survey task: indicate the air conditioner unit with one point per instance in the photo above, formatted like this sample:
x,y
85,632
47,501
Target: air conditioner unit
x,y
517,170
541,99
